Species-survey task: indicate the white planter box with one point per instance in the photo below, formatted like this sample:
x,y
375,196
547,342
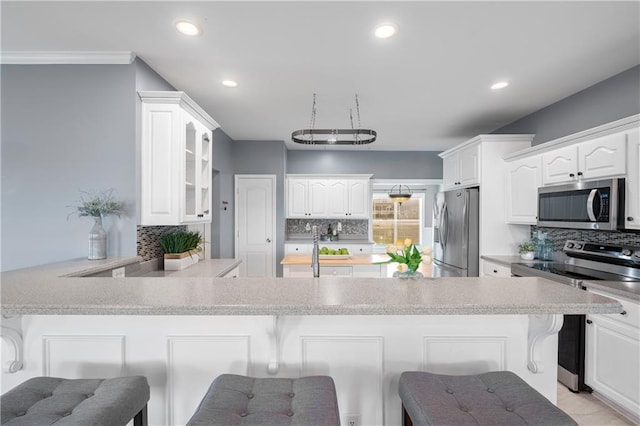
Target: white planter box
x,y
179,261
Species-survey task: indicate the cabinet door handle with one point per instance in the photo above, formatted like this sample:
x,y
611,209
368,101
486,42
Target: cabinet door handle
x,y
589,321
623,313
268,240
579,173
630,218
495,271
200,215
571,175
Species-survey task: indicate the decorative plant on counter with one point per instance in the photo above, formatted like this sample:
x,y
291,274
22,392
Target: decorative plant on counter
x,y
181,242
527,250
97,205
527,247
179,248
408,257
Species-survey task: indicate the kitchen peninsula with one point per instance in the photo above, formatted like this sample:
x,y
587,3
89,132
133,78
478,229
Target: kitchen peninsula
x,y
181,332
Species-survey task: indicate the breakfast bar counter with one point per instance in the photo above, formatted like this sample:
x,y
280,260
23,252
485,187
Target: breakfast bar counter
x,y
182,331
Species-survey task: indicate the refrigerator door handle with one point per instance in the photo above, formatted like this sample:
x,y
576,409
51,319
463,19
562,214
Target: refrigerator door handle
x,y
444,227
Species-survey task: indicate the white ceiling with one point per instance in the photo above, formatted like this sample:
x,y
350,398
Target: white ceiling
x,y
425,89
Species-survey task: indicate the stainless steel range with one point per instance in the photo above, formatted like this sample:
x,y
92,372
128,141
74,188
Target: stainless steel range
x,y
586,261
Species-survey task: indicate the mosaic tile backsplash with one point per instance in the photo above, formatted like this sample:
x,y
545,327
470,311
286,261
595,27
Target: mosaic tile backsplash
x,y
560,236
148,236
354,228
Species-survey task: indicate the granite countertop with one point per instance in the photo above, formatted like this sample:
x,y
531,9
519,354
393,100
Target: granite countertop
x,y
627,289
204,268
44,291
507,260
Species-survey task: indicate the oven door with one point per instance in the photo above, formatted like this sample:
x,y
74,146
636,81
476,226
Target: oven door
x,y
583,205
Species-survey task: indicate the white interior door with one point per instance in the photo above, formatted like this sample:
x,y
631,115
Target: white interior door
x,y
255,224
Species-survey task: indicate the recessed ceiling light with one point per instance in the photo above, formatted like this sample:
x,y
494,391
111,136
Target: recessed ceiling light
x,y
188,28
229,83
499,85
385,30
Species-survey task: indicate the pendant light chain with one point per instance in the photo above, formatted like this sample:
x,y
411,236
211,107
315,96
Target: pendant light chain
x,y
312,125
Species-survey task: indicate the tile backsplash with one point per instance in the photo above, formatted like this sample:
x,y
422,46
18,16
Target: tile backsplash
x,y
351,228
560,236
148,237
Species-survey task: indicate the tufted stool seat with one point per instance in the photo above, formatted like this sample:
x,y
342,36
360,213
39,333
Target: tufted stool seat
x,y
242,400
50,400
495,398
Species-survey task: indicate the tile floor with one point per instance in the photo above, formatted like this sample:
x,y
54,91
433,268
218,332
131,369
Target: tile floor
x,y
587,410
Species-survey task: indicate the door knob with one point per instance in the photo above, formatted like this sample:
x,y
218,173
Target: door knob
x,y
268,240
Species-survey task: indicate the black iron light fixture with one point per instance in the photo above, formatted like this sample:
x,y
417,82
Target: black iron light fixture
x,y
400,193
352,136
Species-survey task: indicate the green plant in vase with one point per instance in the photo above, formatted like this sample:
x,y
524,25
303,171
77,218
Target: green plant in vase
x,y
97,205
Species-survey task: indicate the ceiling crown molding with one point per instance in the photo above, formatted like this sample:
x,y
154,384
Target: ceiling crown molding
x,y
79,57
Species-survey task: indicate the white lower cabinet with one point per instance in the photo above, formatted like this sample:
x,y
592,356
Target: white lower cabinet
x,y
492,269
612,365
356,271
307,248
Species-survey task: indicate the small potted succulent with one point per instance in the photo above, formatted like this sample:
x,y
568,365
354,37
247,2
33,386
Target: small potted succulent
x,y
181,249
527,250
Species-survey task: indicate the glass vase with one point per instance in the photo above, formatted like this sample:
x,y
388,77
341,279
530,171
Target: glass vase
x,y
97,240
408,275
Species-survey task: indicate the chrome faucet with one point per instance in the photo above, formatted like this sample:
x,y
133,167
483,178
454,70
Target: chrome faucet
x,y
315,255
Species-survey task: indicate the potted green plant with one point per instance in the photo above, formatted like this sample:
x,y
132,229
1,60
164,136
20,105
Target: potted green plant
x,y
527,250
181,249
97,205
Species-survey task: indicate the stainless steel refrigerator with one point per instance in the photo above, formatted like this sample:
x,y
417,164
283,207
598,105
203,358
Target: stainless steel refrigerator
x,y
455,233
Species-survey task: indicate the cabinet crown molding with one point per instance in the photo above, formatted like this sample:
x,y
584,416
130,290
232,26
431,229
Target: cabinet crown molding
x,y
179,98
330,176
616,126
68,57
488,138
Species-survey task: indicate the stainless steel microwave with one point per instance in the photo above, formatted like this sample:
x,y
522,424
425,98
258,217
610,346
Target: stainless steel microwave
x,y
582,205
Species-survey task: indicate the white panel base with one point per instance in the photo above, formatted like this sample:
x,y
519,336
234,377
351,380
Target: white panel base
x,y
365,355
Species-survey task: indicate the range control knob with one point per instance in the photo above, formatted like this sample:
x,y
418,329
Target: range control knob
x,y
578,246
626,252
569,245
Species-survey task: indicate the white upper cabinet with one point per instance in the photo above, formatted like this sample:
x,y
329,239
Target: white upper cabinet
x,y
598,158
176,160
462,168
632,211
339,197
523,179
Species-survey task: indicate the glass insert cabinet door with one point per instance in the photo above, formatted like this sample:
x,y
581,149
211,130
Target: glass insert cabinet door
x,y
197,171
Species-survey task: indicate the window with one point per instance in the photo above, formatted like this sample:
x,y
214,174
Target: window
x,y
394,221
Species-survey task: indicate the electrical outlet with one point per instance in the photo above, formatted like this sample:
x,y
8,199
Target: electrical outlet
x,y
352,420
118,272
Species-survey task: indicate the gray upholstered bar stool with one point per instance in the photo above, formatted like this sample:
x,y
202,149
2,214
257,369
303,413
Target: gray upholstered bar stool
x,y
495,398
51,400
237,400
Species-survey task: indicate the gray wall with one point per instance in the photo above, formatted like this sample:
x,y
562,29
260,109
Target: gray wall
x,y
266,157
222,223
383,164
612,99
65,128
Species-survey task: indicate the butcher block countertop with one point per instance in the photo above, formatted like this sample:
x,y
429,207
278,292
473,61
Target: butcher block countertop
x,y
329,260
